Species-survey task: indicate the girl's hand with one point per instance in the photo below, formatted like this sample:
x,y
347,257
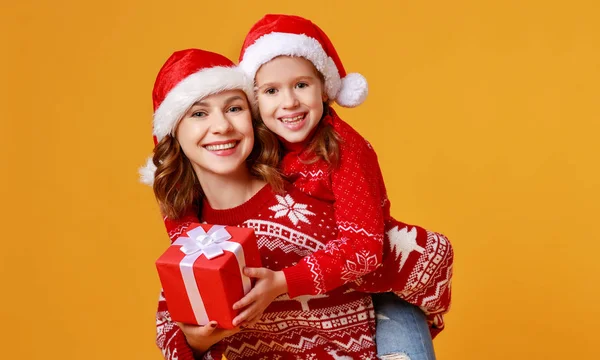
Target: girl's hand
x,y
270,285
201,338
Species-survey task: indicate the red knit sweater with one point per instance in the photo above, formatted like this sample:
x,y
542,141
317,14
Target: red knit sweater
x,y
288,227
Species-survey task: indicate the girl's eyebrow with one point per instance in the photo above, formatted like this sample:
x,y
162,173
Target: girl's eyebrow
x,y
269,84
273,83
305,77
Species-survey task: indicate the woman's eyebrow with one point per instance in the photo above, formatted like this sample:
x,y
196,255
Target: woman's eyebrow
x,y
199,103
233,98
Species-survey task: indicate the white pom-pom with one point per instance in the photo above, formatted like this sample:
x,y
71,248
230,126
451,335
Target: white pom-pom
x,y
354,90
147,172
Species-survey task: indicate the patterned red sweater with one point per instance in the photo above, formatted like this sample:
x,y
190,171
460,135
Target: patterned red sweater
x,y
336,325
416,265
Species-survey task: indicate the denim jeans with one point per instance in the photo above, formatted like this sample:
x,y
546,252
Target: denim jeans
x,y
402,332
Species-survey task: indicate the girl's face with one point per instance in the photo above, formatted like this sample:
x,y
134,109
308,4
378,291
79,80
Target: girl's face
x,y
290,97
216,134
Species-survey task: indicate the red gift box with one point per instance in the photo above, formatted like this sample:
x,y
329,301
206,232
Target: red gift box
x,y
201,273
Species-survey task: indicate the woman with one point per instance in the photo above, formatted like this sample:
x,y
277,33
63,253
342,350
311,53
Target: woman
x,y
206,149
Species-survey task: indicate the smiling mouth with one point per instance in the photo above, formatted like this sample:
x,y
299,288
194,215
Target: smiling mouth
x,y
226,146
292,120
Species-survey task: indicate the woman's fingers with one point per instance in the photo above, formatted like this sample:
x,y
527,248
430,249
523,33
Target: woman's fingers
x,y
195,330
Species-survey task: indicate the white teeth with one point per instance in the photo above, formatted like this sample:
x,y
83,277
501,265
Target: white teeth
x,y
220,146
295,118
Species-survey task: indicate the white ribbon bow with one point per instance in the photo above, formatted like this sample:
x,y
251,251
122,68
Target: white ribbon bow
x,y
208,243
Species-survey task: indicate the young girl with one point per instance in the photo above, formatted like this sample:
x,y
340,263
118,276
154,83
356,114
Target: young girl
x,y
206,149
297,74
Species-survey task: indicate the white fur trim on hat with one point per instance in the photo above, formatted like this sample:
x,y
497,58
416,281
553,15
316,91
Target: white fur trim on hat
x,y
147,172
195,87
275,44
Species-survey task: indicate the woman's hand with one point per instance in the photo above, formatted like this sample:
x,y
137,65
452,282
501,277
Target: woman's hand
x,y
201,338
270,285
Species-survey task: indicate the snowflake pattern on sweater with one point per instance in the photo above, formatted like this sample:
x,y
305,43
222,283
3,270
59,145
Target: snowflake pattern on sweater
x,y
339,324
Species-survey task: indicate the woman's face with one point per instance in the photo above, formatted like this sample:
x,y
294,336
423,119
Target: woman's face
x,y
216,134
290,97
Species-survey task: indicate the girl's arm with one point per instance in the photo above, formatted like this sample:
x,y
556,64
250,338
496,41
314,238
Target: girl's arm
x,y
359,213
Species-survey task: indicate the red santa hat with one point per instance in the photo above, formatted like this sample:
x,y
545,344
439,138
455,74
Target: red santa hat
x,y
276,35
188,76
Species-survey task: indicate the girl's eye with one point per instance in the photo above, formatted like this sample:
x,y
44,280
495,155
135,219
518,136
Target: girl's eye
x,y
235,109
301,85
270,91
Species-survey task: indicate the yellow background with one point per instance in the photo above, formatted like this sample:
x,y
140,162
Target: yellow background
x,y
484,114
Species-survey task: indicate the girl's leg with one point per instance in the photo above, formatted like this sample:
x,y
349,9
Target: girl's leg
x,y
402,332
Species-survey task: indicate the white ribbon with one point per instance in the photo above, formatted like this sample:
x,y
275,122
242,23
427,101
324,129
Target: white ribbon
x,y
211,244
207,243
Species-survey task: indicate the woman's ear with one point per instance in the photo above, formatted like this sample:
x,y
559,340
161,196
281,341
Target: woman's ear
x,y
324,97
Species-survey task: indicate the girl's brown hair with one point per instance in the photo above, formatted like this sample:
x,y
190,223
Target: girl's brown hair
x,y
175,184
325,144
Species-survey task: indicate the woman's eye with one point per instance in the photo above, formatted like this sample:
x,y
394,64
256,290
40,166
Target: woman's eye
x,y
235,109
301,85
199,114
270,91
